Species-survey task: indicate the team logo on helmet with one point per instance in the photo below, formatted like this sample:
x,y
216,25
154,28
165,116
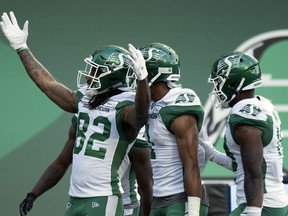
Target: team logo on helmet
x,y
121,59
153,54
227,64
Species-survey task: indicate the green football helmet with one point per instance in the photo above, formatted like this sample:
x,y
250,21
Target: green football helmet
x,y
105,70
233,73
162,63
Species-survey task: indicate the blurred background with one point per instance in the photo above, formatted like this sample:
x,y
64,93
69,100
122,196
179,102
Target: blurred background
x,y
62,33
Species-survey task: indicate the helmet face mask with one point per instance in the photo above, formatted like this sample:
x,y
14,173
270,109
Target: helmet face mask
x,y
218,84
92,75
105,70
131,80
233,73
162,63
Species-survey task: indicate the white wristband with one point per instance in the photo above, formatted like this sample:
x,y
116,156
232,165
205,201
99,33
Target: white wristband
x,y
193,206
252,211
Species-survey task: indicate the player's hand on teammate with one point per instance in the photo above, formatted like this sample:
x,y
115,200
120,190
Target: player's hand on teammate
x,y
27,204
17,37
138,62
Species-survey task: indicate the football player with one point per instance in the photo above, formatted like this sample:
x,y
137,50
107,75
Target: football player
x,y
175,118
253,136
109,117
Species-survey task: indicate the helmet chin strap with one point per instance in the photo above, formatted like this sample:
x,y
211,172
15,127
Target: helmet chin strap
x,y
172,84
237,91
240,85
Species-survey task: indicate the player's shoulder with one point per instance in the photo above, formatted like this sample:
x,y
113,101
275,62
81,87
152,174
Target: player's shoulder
x,y
253,108
181,95
257,102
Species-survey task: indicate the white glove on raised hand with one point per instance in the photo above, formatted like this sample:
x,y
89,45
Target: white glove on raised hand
x,y
138,62
16,37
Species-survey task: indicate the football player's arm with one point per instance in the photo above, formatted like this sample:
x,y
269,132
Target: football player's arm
x,y
212,154
61,95
250,141
185,129
57,92
58,168
136,115
143,170
52,175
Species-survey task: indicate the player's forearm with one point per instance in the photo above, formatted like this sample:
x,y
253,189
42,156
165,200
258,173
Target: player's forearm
x,y
222,160
49,179
142,102
58,93
214,155
145,204
146,194
145,187
193,183
37,72
253,191
193,191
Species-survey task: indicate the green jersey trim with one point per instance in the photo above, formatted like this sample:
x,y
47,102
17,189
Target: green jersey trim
x,y
230,154
132,183
122,145
120,150
79,95
264,171
138,145
74,122
266,126
170,113
119,108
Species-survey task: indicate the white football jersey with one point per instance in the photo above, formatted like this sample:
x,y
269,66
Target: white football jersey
x,y
100,147
166,164
259,112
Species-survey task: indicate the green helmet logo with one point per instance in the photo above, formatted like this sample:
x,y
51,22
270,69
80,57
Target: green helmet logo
x,y
162,63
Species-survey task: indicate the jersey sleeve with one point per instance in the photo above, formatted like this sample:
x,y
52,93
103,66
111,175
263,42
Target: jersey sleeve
x,y
124,101
79,95
185,102
138,145
252,115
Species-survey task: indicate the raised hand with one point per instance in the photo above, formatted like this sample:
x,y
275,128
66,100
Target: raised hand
x,y
138,62
17,37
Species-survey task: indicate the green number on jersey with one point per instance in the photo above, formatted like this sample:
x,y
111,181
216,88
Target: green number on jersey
x,y
104,128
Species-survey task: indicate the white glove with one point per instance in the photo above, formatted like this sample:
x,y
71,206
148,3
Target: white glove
x,y
138,62
16,37
251,211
